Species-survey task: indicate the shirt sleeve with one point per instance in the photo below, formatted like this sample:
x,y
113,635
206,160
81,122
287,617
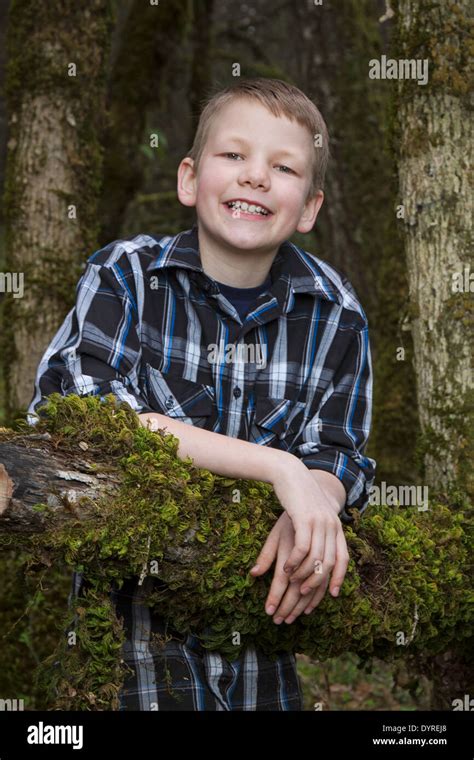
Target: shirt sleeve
x,y
97,349
335,438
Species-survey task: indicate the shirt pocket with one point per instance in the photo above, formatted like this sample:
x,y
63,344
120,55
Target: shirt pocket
x,y
277,419
178,397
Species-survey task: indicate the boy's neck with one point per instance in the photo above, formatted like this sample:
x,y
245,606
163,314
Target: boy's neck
x,y
241,269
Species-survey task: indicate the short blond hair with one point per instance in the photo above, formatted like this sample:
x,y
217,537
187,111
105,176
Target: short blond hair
x,y
281,99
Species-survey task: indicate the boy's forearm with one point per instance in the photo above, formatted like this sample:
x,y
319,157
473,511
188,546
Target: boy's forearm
x,y
223,455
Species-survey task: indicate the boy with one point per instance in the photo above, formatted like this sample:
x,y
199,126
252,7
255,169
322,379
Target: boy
x,y
155,323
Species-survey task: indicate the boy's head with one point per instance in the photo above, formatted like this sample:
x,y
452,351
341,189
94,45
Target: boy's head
x,y
261,140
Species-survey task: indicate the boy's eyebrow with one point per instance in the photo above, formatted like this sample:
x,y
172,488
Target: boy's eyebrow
x,y
282,152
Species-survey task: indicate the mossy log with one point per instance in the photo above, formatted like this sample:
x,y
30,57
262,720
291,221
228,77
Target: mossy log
x,y
194,536
39,484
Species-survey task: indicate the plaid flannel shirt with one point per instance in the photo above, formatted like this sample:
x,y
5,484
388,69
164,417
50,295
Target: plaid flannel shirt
x,y
146,315
147,321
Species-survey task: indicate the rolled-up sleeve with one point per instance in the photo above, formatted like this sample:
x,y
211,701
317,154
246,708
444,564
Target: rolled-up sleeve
x,y
96,350
335,438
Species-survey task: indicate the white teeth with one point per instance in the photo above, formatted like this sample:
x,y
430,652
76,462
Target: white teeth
x,y
249,209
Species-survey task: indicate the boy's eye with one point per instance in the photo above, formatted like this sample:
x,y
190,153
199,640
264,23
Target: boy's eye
x,y
281,166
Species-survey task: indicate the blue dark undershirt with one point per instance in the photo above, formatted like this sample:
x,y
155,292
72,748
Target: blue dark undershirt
x,y
243,298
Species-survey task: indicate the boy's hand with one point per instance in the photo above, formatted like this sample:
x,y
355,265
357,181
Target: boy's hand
x,y
314,545
284,600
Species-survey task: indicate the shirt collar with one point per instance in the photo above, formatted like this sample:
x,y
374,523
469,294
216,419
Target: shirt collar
x,y
306,276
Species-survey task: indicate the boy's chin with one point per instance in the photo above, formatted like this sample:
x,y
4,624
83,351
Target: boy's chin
x,y
239,237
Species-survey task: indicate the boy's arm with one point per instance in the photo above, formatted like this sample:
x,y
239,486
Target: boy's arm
x,y
312,512
235,458
223,455
97,348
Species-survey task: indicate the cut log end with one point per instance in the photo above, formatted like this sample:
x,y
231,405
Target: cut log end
x,y
6,489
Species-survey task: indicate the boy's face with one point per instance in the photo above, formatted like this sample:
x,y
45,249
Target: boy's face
x,y
248,155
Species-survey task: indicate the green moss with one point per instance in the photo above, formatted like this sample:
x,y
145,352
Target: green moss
x,y
182,525
444,34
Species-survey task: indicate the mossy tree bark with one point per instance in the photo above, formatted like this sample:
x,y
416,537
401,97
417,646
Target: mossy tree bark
x,y
55,94
434,132
435,137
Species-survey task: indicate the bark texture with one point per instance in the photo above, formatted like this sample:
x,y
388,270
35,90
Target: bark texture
x,y
434,131
435,138
33,472
57,55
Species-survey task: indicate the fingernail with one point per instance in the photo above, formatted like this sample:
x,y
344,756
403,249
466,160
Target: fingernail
x,y
305,590
289,620
278,620
271,609
335,591
255,568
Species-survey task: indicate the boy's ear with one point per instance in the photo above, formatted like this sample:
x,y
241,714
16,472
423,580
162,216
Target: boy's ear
x,y
310,213
187,182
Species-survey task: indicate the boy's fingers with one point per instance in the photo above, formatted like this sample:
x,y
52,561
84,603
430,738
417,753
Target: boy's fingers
x,y
300,549
317,597
301,604
267,554
312,567
290,598
280,579
342,561
320,571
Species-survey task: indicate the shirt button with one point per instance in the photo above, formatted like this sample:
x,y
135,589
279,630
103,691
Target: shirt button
x,y
237,392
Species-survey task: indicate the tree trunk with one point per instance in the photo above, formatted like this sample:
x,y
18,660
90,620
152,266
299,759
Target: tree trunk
x,y
55,96
434,131
435,139
150,36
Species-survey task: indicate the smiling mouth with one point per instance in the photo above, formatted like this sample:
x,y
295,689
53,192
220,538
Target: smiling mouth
x,y
245,210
